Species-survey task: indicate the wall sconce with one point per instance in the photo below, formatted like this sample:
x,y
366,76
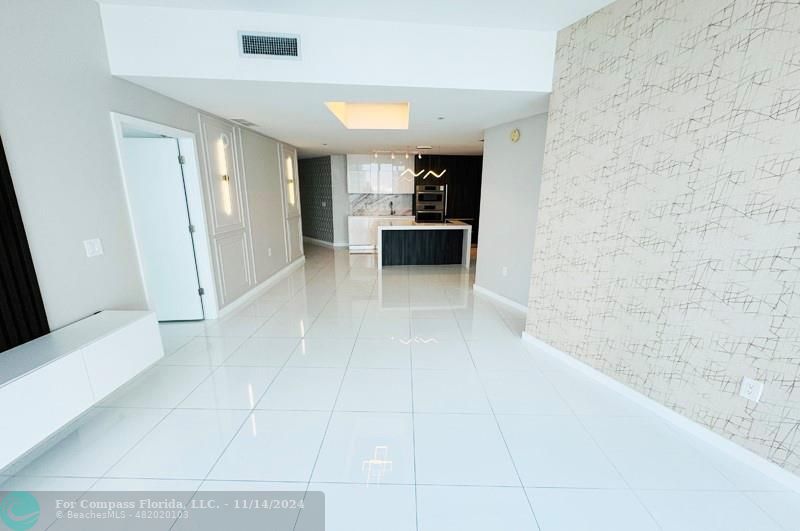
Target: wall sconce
x,y
222,168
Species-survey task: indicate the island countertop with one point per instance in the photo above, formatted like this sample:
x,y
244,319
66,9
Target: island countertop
x,y
414,225
436,244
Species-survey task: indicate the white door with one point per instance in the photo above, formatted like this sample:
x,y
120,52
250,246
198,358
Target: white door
x,y
161,224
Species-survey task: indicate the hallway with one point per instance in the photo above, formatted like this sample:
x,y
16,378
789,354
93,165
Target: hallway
x,y
413,404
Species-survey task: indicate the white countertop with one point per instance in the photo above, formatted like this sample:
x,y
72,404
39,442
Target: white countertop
x,y
453,225
386,216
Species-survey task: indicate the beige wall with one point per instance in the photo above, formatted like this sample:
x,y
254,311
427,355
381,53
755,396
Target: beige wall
x,y
512,173
56,96
667,245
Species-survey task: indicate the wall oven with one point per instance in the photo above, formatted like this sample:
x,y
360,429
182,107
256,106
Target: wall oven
x,y
431,203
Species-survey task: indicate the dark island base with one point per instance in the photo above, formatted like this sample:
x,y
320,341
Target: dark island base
x,y
422,247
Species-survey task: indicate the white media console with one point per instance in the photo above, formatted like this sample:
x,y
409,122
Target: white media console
x,y
49,382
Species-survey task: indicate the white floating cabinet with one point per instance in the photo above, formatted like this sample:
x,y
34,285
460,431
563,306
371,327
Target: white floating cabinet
x,y
47,383
367,174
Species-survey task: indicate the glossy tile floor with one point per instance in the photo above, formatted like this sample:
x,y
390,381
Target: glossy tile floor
x,y
413,405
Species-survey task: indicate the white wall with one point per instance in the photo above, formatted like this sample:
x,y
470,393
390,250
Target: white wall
x,y
341,199
203,44
55,102
512,174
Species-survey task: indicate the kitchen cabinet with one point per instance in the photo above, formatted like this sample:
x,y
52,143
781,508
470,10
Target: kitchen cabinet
x,y
403,176
462,176
361,177
367,174
363,230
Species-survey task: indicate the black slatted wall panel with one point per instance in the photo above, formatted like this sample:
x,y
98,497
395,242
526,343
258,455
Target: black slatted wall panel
x,y
22,316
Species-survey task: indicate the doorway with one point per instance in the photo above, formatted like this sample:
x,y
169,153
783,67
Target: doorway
x,y
164,195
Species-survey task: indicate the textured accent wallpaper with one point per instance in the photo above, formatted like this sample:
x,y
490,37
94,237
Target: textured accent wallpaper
x,y
316,198
668,245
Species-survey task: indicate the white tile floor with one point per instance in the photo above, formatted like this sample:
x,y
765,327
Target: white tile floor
x,y
413,405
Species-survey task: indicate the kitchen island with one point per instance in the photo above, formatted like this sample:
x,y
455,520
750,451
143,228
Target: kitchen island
x,y
424,244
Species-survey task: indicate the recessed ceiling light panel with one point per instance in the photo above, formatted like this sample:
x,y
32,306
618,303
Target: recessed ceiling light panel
x,y
370,115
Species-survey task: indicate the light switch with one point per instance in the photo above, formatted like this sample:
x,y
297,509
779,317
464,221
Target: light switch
x,y
93,247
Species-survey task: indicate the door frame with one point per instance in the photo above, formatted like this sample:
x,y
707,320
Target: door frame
x,y
193,182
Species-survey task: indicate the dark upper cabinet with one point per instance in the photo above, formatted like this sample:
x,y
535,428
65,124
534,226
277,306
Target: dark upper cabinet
x,y
463,180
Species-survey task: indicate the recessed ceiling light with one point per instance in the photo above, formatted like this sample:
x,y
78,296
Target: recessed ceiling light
x,y
370,115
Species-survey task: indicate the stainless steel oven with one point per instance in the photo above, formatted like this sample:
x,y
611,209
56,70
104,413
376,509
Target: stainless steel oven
x,y
431,203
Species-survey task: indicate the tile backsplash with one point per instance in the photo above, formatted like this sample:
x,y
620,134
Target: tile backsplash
x,y
378,204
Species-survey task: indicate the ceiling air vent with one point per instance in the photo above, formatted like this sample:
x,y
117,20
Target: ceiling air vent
x,y
270,44
243,121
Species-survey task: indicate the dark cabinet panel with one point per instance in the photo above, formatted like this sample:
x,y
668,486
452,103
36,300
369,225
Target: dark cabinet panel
x,y
462,175
422,247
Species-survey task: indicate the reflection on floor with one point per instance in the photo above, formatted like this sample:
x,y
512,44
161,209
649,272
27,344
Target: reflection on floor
x,y
412,404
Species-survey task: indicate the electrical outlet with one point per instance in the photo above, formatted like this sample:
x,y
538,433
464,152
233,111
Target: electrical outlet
x,y
751,389
93,247
269,251
505,271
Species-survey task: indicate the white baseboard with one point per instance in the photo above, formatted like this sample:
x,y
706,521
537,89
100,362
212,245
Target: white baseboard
x,y
259,290
686,424
323,243
499,298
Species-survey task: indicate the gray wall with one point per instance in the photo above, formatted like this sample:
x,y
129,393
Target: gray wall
x,y
265,201
56,97
316,198
55,100
341,200
667,244
509,198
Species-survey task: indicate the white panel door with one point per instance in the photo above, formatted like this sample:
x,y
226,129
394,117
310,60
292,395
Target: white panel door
x,y
157,198
223,175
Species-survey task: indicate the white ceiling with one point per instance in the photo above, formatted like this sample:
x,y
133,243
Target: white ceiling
x,y
296,112
542,15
